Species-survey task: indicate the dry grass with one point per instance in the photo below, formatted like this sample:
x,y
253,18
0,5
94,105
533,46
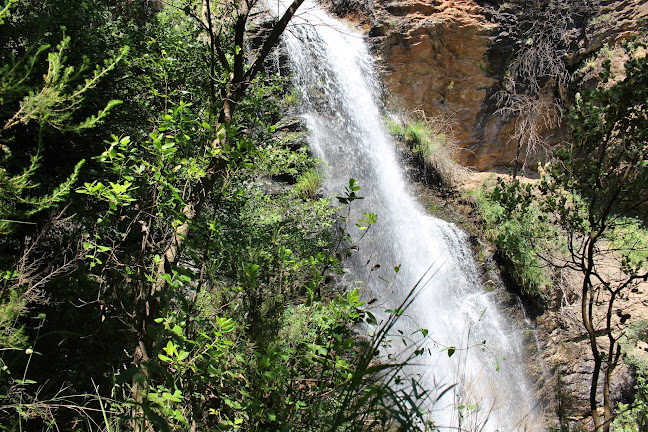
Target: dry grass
x,y
432,142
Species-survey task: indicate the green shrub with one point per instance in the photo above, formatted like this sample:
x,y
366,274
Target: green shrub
x,y
633,416
521,233
629,237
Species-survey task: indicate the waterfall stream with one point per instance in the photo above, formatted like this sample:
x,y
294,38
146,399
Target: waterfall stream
x,y
339,87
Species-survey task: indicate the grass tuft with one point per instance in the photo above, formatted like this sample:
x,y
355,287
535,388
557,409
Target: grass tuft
x,y
431,141
308,184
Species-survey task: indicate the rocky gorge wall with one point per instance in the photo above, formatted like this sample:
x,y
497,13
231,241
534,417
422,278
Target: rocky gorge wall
x,y
447,58
435,60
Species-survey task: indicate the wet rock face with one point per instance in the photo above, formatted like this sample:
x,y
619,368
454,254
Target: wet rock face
x,y
447,58
359,11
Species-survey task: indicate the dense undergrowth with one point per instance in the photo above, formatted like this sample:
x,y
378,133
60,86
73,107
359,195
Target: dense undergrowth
x,y
166,261
524,237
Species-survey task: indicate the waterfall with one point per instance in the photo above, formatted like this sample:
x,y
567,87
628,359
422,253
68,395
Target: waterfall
x,y
339,86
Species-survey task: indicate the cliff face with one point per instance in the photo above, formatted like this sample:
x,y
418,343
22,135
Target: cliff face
x,y
434,57
447,58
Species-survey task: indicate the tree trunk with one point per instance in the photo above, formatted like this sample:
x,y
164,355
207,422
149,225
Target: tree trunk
x,y
240,81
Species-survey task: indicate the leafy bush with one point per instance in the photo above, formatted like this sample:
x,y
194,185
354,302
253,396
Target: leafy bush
x,y
633,417
629,237
515,224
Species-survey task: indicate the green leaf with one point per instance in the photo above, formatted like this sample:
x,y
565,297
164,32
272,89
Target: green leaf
x,y
165,358
451,350
423,331
397,312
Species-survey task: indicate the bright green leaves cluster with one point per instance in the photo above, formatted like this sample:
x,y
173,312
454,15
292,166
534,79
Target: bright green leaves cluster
x,y
284,364
157,171
517,226
56,102
188,363
350,192
116,194
143,191
368,220
51,105
280,160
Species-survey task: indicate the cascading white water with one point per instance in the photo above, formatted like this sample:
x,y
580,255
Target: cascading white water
x,y
339,85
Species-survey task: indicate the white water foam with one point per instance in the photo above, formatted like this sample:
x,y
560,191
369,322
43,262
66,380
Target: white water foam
x,y
336,76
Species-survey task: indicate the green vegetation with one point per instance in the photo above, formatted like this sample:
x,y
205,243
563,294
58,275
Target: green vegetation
x,y
633,417
308,183
628,237
600,20
432,146
593,199
592,67
516,226
151,279
612,185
